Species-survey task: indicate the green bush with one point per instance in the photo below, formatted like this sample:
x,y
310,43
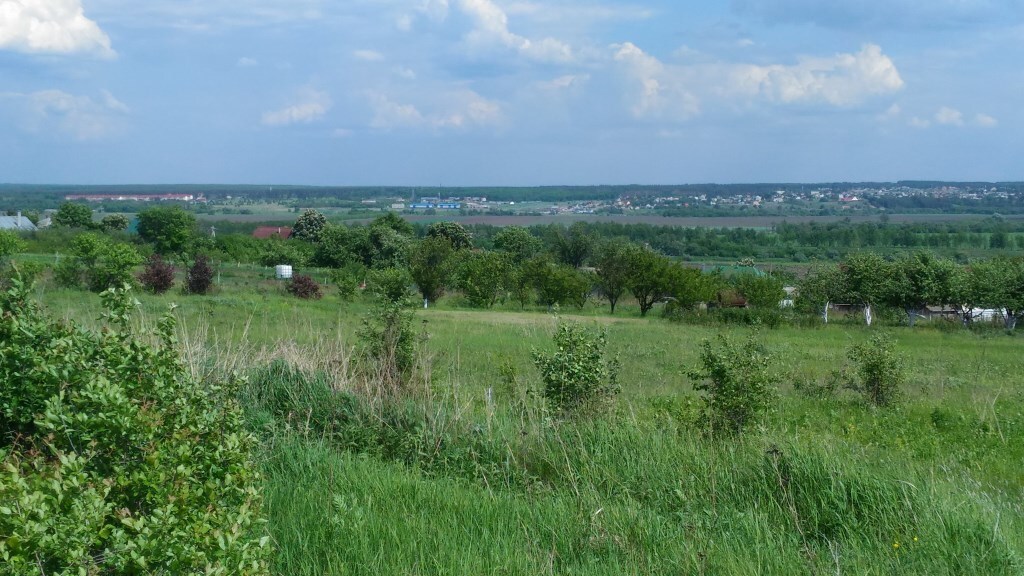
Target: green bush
x,y
115,461
578,376
738,382
98,263
880,370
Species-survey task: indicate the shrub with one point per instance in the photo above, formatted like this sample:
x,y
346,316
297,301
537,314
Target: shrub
x,y
578,376
199,279
115,461
880,370
738,383
305,287
158,276
390,284
97,262
389,346
347,279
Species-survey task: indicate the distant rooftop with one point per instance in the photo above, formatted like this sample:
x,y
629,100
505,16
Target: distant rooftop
x,y
16,223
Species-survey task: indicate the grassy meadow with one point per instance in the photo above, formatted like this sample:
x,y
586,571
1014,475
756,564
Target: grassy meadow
x,y
469,474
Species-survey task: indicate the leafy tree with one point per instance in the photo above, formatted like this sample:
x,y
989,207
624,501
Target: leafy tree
x,y
614,262
73,215
454,232
275,251
559,284
385,248
647,278
688,286
199,278
114,222
309,226
760,291
822,285
340,246
484,276
518,242
574,245
866,278
579,376
170,229
880,369
116,460
394,222
999,284
917,280
431,266
158,276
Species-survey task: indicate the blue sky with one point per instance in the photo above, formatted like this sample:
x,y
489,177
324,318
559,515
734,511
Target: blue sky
x,y
509,92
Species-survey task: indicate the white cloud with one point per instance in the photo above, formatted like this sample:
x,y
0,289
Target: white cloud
x,y
949,116
840,80
918,122
50,27
564,82
407,73
463,109
54,112
312,105
490,28
368,55
655,90
985,121
246,62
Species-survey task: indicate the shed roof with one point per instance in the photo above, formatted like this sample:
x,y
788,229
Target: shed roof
x,y
16,223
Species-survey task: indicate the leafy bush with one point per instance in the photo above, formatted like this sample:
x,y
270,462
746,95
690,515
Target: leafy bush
x,y
158,276
578,376
305,287
97,262
880,370
348,279
738,383
115,461
390,284
389,345
199,279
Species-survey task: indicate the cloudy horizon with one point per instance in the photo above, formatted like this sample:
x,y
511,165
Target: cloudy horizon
x,y
509,92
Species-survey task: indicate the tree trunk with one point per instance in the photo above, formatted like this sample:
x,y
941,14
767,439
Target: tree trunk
x,y
1010,319
426,303
867,314
911,316
824,312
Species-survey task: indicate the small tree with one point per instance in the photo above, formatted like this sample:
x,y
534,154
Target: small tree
x,y
579,376
647,277
199,279
614,261
430,264
158,276
72,215
171,229
389,346
390,285
454,232
114,222
483,277
880,369
738,383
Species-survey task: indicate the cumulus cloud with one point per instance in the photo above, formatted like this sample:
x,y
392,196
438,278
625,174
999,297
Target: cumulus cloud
x,y
491,29
655,90
840,80
985,121
54,112
246,62
312,105
50,27
949,116
458,110
564,82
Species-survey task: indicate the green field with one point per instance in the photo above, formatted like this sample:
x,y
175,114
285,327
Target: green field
x,y
468,474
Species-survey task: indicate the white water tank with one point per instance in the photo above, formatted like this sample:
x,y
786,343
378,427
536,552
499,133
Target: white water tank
x,y
283,271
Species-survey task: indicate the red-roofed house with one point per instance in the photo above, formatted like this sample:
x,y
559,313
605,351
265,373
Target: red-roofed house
x,y
264,232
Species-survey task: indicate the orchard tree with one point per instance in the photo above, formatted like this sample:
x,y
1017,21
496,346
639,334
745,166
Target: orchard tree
x,y
688,286
484,276
572,246
999,283
614,263
98,262
73,215
866,277
339,246
647,277
114,223
518,242
455,233
823,285
170,229
395,222
759,290
919,279
309,226
430,264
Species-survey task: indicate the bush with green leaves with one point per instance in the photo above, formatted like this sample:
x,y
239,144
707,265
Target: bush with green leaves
x,y
738,383
115,460
390,284
388,346
880,369
98,263
579,376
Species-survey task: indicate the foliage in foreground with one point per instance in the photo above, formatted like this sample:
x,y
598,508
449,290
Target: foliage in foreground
x,y
738,383
114,460
579,376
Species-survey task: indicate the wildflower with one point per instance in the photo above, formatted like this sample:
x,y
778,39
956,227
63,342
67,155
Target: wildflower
x,y
896,545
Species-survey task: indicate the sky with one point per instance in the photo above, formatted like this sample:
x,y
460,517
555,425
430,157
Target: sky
x,y
510,92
